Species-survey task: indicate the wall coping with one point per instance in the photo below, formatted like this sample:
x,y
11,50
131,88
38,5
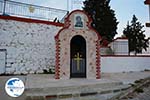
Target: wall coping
x,y
125,55
28,20
120,38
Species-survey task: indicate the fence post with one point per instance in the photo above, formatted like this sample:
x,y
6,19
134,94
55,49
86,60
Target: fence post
x,y
4,7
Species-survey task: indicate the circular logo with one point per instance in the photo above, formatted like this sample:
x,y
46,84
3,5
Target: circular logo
x,y
14,87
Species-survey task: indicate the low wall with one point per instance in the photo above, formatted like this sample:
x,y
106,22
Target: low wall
x,y
124,63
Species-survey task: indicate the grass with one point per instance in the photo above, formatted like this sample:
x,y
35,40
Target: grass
x,y
139,81
49,71
139,90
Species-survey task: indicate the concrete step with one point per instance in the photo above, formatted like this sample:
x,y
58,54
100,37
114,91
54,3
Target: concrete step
x,y
73,88
44,87
96,90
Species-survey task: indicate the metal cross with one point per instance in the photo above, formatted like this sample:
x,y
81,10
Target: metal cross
x,y
78,59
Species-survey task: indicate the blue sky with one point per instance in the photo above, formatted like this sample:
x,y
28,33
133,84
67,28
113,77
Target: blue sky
x,y
124,10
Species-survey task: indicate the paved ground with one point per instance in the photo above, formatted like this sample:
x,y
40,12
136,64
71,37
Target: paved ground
x,y
49,81
44,81
126,78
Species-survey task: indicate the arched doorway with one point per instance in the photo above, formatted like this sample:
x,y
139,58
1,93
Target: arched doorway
x,y
78,57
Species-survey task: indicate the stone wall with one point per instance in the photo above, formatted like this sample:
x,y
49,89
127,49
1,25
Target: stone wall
x,y
30,46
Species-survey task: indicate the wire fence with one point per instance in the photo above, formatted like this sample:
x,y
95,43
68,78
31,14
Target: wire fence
x,y
1,7
12,8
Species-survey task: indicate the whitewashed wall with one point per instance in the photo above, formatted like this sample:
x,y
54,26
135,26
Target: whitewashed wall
x,y
30,46
124,63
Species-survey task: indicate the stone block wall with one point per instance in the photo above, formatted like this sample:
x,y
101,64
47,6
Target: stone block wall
x,y
30,47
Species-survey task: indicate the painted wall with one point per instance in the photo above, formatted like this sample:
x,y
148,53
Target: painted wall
x,y
124,63
30,46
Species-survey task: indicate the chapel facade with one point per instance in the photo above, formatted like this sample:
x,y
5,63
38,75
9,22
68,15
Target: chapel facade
x,y
77,48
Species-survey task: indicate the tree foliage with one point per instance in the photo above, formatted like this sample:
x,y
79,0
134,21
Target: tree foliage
x,y
104,20
136,36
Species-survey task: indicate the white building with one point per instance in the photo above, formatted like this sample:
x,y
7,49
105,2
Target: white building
x,y
119,46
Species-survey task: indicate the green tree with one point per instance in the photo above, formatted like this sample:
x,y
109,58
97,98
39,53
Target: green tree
x,y
104,20
136,36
